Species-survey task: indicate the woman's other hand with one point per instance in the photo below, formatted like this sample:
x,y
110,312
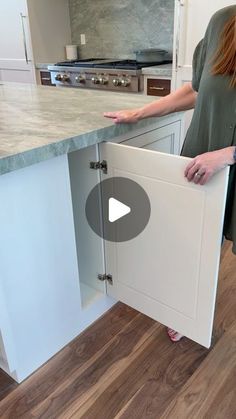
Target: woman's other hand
x,y
201,169
125,116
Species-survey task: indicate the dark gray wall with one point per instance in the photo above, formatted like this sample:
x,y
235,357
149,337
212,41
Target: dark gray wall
x,y
115,28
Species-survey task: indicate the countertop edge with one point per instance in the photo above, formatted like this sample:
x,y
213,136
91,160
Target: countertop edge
x,y
165,71
36,155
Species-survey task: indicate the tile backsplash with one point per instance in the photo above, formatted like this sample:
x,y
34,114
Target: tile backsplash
x,y
116,28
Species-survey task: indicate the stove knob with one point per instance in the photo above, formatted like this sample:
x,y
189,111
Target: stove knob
x,y
125,82
65,77
103,80
95,80
58,77
116,82
80,79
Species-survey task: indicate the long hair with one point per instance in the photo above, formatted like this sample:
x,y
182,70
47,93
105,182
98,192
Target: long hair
x,y
225,59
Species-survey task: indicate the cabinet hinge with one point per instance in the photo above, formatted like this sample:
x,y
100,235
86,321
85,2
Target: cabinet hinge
x,y
106,277
102,165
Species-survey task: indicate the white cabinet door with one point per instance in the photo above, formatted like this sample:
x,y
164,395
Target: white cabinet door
x,y
169,271
165,139
15,45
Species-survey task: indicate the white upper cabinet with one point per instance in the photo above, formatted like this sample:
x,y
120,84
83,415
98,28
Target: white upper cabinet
x,y
31,32
12,14
191,20
15,44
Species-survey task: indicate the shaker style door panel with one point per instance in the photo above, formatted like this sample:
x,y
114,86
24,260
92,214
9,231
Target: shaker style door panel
x,y
169,271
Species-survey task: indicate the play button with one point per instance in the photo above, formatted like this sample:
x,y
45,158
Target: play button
x,y
118,209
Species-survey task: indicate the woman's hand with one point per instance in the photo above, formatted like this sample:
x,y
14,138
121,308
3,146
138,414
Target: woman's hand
x,y
182,99
203,167
127,116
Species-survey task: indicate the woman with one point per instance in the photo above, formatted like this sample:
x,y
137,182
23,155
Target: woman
x,y
211,137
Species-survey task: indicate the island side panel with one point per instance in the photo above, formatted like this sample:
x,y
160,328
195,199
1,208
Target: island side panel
x,y
42,308
38,270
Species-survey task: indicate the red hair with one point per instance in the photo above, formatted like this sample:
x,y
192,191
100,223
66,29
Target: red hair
x,y
225,58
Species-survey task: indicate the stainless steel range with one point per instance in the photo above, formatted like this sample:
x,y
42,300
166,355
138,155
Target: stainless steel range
x,y
103,74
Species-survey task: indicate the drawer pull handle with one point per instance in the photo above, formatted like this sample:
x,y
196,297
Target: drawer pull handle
x,y
156,88
46,78
24,38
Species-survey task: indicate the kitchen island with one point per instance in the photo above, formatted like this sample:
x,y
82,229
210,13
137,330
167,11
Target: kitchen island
x,y
50,258
38,122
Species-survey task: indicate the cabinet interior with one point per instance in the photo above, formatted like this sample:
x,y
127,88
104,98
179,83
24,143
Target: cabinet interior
x,y
90,247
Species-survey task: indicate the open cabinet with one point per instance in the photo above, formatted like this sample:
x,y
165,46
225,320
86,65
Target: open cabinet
x,y
90,247
169,271
51,258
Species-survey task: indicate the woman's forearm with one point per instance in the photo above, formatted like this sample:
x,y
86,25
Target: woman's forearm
x,y
181,99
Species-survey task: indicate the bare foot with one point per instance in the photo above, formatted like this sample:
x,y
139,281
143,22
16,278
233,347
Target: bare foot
x,y
173,335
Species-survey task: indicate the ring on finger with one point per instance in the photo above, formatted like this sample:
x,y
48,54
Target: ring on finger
x,y
198,174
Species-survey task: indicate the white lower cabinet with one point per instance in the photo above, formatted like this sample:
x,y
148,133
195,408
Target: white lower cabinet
x,y
165,139
90,247
51,258
42,307
170,270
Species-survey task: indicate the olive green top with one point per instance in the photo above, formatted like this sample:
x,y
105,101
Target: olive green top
x,y
213,125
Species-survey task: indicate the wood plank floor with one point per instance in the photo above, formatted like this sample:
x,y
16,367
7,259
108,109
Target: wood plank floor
x,y
124,366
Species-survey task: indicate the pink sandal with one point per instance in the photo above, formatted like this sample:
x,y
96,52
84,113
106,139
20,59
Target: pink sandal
x,y
173,335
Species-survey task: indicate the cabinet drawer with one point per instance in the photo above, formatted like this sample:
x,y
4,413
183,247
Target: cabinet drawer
x,y
158,87
45,78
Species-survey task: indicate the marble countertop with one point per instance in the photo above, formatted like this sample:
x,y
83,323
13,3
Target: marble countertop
x,y
39,122
158,70
43,66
